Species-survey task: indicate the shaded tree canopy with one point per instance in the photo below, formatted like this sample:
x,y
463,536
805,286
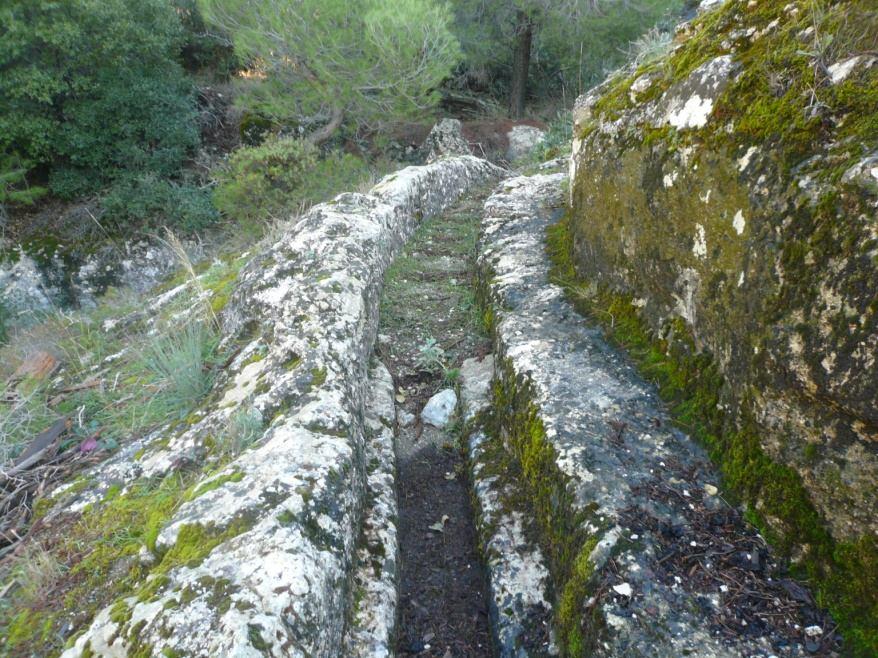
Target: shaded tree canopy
x,y
559,46
90,89
321,62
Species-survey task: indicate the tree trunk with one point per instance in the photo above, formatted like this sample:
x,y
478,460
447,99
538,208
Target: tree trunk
x,y
323,133
520,64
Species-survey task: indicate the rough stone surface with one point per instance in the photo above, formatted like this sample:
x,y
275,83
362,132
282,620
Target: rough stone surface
x,y
475,383
440,408
50,277
584,391
446,138
372,633
518,578
289,509
24,288
758,247
522,141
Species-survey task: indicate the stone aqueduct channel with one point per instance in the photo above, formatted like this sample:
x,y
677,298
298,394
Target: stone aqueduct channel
x,y
601,527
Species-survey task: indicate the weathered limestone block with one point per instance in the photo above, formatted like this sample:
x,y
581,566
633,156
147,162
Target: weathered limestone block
x,y
372,633
599,459
58,276
282,519
760,240
522,141
445,138
518,579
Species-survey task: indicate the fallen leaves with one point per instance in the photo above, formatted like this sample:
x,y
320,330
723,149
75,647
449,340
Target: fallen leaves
x,y
439,526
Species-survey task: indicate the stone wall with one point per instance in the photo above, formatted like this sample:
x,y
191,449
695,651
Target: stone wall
x,y
727,198
260,558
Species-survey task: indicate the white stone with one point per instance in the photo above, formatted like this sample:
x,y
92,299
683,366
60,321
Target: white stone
x,y
445,139
839,71
523,140
699,244
623,590
739,222
440,408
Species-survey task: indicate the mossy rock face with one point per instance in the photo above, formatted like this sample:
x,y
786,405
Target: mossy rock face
x,y
726,198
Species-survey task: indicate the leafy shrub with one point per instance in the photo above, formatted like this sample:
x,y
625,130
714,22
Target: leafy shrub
x,y
282,174
13,184
152,201
260,181
91,89
335,173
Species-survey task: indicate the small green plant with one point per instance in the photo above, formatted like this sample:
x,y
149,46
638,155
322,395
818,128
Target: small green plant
x,y
35,573
431,356
451,376
243,429
650,46
180,359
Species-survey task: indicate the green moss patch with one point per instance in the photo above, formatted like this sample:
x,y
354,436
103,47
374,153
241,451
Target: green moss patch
x,y
520,447
844,575
216,483
784,98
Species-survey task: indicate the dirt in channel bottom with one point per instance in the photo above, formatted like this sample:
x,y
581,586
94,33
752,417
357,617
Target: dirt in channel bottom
x,y
429,325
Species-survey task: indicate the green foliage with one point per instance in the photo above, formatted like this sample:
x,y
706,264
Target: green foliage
x,y
179,358
203,50
576,42
91,89
13,184
281,175
149,200
558,139
314,61
261,181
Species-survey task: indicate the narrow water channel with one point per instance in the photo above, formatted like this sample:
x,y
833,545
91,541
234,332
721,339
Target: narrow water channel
x,y
429,325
